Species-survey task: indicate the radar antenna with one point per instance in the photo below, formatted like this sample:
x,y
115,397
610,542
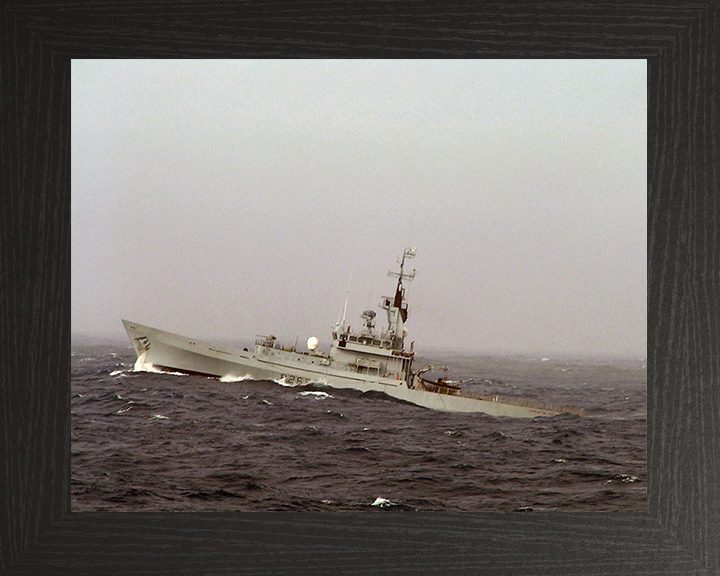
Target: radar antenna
x,y
407,253
368,316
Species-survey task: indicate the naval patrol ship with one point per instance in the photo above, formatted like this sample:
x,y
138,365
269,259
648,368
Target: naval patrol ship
x,y
369,360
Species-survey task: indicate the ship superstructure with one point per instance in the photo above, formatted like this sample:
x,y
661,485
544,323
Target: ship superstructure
x,y
378,354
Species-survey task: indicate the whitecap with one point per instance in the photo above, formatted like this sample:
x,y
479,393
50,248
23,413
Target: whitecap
x,y
233,378
318,395
143,365
117,372
383,502
283,382
158,417
624,477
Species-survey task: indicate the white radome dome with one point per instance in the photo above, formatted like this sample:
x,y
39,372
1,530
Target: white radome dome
x,y
312,343
405,332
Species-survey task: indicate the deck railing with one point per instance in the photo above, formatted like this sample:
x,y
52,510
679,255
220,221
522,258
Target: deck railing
x,y
524,402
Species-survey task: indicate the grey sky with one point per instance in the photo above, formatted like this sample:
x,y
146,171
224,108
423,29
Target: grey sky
x,y
225,199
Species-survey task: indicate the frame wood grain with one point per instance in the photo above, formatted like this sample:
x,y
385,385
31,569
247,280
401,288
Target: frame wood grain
x,y
681,530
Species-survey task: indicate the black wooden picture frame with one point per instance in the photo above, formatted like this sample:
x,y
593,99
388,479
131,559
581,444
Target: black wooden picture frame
x,y
679,534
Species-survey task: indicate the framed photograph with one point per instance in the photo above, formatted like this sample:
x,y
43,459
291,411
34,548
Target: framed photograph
x,y
42,50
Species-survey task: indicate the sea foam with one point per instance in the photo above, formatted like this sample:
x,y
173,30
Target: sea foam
x,y
232,378
318,395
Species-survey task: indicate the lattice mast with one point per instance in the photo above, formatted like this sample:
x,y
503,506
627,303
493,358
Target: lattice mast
x,y
397,308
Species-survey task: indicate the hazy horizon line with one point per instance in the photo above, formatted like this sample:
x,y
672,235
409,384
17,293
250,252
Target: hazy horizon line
x,y
100,339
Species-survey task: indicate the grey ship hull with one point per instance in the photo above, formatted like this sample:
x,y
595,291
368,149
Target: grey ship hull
x,y
161,350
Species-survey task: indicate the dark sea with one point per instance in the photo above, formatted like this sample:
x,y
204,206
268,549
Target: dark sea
x,y
146,441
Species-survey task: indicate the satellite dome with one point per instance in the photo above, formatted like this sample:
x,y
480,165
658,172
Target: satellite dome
x,y
405,332
312,343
